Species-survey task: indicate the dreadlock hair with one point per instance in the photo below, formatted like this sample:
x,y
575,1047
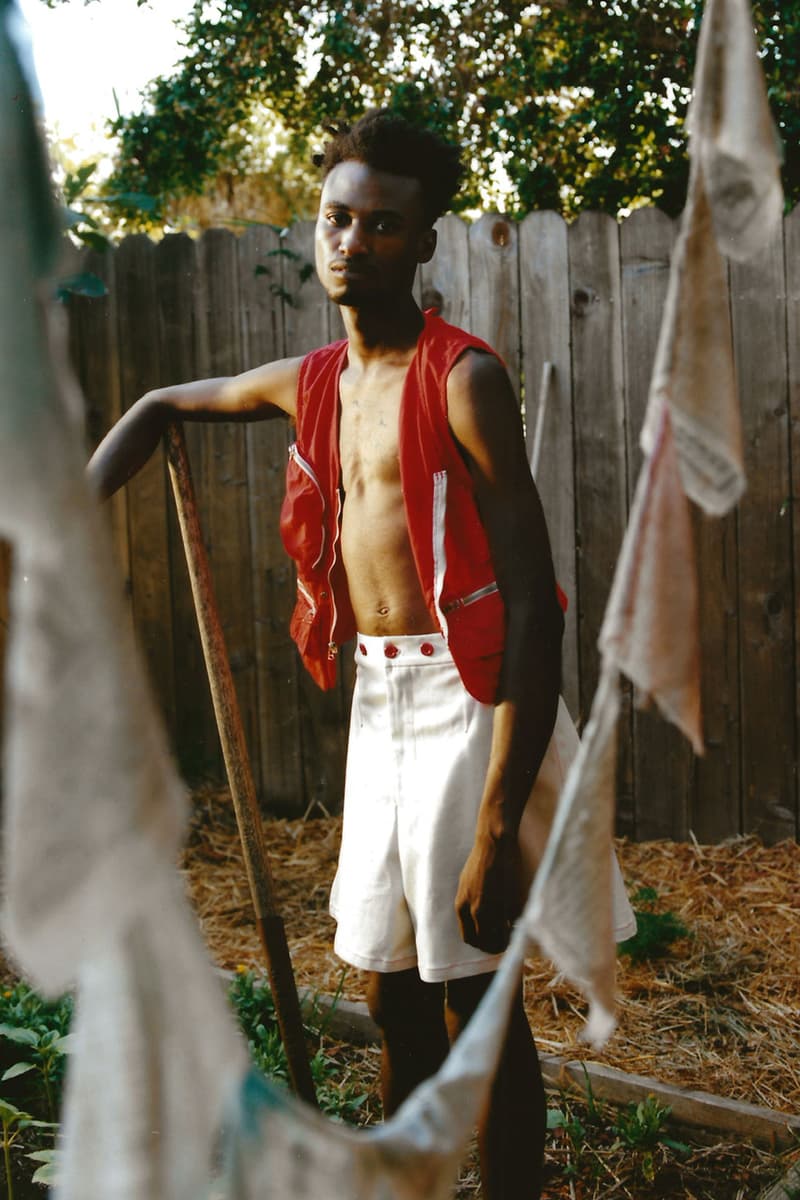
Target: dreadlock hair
x,y
386,141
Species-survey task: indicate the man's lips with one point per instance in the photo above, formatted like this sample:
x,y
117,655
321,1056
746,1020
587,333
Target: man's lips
x,y
349,270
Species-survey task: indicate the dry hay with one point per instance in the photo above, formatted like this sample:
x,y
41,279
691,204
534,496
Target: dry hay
x,y
720,1012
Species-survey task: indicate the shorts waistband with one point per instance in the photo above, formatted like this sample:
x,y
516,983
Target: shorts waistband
x,y
418,649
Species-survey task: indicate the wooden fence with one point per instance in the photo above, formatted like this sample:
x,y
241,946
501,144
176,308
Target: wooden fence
x,y
588,298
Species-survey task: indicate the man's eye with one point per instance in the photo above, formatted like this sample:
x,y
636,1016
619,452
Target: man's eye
x,y
338,218
385,226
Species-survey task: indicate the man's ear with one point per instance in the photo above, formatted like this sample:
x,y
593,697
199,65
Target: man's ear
x,y
427,245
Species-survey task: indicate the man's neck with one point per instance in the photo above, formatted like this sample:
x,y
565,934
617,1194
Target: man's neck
x,y
375,335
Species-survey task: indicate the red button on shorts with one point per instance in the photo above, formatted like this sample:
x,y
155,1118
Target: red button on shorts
x,y
427,649
391,651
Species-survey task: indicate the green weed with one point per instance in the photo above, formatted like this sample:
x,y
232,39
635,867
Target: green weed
x,y
255,1010
34,1041
655,931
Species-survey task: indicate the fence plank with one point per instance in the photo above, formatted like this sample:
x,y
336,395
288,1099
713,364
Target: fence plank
x,y
261,315
445,279
223,475
494,288
311,322
765,574
545,330
94,350
196,739
662,758
600,461
715,813
137,315
792,259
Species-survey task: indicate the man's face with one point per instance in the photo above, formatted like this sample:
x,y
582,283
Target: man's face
x,y
370,235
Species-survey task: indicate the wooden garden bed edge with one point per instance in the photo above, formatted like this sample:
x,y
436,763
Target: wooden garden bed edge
x,y
350,1021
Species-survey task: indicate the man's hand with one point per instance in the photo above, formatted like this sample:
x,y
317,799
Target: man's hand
x,y
489,897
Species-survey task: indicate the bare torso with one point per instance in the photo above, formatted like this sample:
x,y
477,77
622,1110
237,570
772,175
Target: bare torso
x,y
384,588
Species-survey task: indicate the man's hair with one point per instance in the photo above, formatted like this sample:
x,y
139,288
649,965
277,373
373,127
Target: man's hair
x,y
386,141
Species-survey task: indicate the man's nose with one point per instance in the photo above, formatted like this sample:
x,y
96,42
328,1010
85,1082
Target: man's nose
x,y
352,239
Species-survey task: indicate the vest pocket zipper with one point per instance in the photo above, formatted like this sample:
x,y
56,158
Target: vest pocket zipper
x,y
308,471
464,601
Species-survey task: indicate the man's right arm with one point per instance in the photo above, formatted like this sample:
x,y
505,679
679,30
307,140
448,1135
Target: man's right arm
x,y
257,395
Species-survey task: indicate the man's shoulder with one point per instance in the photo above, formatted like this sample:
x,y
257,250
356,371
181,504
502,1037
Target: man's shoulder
x,y
459,342
476,372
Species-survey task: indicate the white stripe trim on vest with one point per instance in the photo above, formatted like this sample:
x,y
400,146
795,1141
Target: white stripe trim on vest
x,y
439,557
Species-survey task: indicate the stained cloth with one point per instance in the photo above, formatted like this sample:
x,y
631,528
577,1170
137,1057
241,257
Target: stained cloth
x,y
692,443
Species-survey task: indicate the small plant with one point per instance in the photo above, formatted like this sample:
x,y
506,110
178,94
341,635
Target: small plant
x,y
14,1122
641,1125
45,1051
34,1040
655,931
252,1001
640,1128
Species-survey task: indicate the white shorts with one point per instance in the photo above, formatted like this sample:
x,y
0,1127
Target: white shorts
x,y
417,757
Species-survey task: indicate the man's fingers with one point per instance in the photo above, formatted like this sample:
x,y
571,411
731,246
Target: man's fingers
x,y
490,933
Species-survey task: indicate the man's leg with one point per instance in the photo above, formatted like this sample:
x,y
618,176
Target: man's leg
x,y
410,1016
511,1131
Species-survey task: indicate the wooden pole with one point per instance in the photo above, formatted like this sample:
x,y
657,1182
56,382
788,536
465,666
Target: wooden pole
x,y
237,764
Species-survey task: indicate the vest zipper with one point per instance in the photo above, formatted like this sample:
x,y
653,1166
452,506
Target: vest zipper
x,y
438,518
308,470
463,601
333,649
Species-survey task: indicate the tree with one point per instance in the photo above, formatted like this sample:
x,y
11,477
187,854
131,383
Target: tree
x,y
558,105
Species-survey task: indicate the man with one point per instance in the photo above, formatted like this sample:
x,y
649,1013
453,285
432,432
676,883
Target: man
x,y
416,526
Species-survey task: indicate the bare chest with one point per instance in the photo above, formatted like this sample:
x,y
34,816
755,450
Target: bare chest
x,y
369,431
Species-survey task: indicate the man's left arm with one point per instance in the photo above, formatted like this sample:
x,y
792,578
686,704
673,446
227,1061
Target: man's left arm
x,y
485,420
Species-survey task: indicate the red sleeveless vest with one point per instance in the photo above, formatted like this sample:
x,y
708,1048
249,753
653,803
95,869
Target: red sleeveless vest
x,y
448,541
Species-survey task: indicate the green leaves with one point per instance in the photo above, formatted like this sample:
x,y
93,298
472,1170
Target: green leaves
x,y
48,1173
556,105
24,1037
20,1068
655,931
253,1004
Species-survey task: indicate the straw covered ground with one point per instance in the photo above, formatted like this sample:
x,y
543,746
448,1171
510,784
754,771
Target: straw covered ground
x,y
719,1010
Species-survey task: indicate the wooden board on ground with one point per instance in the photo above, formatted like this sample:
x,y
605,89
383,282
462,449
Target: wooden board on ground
x,y
689,1108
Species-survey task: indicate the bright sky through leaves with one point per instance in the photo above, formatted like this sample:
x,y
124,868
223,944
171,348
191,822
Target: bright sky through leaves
x,y
85,53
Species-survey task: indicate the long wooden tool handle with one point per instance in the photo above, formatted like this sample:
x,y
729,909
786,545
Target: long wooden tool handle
x,y
234,749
